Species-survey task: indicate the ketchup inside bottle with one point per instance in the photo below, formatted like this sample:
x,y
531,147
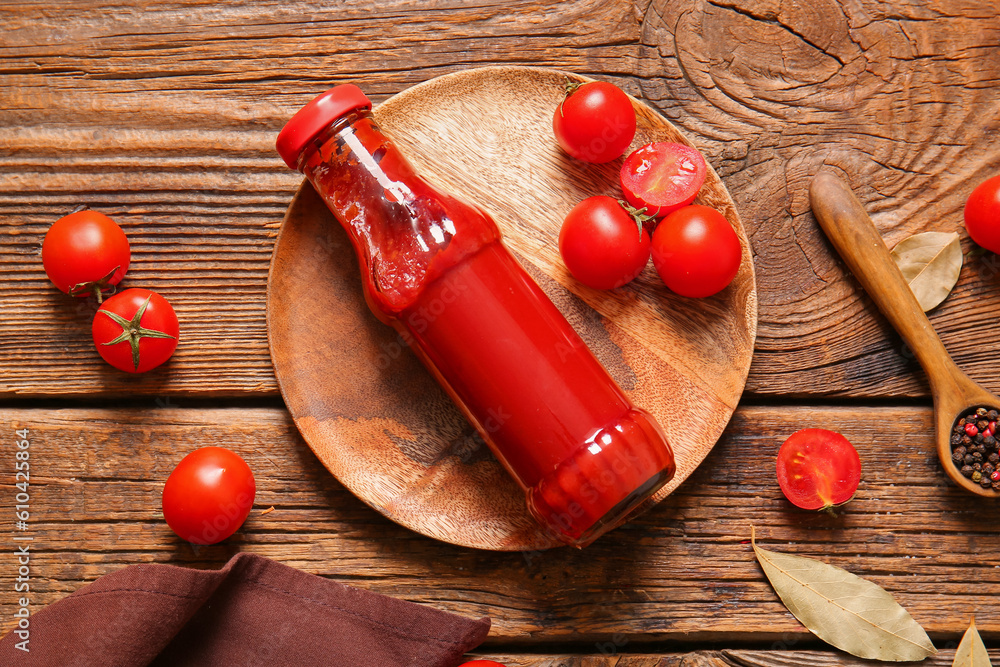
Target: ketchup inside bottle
x,y
436,269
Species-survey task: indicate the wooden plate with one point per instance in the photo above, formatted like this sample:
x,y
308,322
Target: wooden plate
x,y
371,412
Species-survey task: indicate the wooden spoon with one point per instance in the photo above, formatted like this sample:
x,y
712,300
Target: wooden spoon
x,y
854,236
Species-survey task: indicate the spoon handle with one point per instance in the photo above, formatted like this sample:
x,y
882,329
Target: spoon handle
x,y
853,234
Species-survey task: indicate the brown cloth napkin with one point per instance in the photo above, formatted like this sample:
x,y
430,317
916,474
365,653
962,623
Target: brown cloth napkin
x,y
253,611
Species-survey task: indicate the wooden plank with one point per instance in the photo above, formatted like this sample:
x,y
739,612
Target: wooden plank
x,y
167,125
684,572
166,121
610,655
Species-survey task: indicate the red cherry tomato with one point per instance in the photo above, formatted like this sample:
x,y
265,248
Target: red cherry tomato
x,y
982,214
135,330
696,251
595,121
662,177
85,251
818,469
481,663
208,496
602,244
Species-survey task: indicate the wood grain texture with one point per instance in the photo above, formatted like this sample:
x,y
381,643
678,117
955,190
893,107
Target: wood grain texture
x,y
374,415
683,572
900,94
164,118
611,655
852,233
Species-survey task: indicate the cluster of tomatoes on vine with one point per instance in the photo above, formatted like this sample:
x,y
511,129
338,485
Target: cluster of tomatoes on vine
x,y
606,242
86,253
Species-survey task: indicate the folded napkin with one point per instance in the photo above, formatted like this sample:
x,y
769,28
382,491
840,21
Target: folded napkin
x,y
253,611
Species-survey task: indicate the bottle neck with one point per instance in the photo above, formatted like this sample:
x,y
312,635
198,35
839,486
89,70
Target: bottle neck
x,y
405,232
353,164
397,222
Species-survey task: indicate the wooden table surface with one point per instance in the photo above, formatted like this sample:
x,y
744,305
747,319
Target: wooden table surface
x,y
164,117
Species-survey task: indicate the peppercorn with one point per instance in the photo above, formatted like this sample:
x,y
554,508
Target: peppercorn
x,y
975,448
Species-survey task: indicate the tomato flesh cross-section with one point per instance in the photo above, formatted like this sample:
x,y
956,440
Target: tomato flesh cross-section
x,y
818,469
662,177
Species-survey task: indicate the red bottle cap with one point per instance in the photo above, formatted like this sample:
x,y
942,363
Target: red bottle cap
x,y
314,117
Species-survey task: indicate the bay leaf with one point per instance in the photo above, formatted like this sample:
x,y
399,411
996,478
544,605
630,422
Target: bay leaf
x,y
930,262
843,609
971,652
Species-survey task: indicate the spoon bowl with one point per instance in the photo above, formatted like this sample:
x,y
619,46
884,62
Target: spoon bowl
x,y
855,237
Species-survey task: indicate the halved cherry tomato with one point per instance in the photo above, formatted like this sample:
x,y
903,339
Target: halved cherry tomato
x,y
135,330
818,469
84,252
595,121
662,177
982,214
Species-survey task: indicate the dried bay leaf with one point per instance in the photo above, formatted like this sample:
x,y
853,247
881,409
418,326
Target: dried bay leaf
x,y
971,652
843,609
930,262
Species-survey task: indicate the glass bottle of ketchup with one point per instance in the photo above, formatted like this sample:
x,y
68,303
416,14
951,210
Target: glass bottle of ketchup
x,y
435,268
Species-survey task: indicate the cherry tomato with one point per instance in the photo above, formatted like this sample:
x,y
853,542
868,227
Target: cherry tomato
x,y
135,330
602,244
85,251
982,214
481,663
662,177
696,251
595,121
818,469
208,496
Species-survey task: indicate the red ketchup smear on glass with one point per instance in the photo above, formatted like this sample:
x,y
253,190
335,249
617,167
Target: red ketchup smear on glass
x,y
435,268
